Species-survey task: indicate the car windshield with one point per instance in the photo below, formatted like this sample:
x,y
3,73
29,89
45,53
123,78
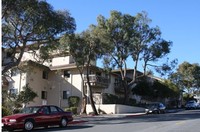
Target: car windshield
x,y
152,105
190,102
30,109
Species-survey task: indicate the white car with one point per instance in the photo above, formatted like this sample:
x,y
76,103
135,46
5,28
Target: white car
x,y
192,104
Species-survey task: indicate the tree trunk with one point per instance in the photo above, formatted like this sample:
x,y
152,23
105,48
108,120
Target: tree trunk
x,y
84,102
91,98
90,92
84,98
135,70
126,92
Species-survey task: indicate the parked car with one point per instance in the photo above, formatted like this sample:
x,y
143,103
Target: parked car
x,y
37,116
192,104
155,108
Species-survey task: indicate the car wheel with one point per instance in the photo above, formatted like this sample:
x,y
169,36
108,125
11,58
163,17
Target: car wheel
x,y
28,125
63,122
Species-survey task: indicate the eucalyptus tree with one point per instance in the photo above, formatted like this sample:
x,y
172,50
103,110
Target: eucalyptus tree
x,y
188,78
75,45
155,51
139,39
30,21
85,48
147,45
115,32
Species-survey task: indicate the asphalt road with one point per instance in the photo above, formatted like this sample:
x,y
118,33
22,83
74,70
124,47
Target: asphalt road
x,y
183,121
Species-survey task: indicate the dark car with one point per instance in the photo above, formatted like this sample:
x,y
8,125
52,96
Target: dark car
x,y
155,108
37,116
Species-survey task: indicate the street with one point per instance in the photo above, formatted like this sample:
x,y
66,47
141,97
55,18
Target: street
x,y
183,121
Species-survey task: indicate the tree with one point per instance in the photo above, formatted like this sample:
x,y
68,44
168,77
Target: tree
x,y
26,95
187,77
75,45
85,48
115,32
15,101
147,44
30,21
139,39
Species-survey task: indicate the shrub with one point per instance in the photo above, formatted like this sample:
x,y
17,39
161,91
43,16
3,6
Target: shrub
x,y
73,101
6,111
110,99
72,109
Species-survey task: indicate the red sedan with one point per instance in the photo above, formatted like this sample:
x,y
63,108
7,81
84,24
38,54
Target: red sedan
x,y
37,116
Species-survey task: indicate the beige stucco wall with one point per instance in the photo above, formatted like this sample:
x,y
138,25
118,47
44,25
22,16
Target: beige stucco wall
x,y
37,83
58,84
115,108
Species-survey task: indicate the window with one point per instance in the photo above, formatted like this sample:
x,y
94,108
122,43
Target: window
x,y
45,75
44,95
53,109
45,110
65,93
67,73
13,72
13,91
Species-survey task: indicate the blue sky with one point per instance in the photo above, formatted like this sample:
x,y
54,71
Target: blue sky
x,y
179,20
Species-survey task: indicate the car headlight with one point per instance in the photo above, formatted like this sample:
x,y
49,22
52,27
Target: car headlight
x,y
12,120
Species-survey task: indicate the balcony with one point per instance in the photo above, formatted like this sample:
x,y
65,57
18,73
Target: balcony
x,y
97,81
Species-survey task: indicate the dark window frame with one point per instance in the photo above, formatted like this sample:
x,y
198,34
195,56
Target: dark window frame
x,y
66,73
45,75
44,95
65,96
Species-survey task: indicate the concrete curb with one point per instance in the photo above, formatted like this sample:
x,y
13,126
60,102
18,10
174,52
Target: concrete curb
x,y
84,119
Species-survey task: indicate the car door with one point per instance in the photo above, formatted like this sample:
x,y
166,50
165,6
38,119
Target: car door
x,y
43,118
55,115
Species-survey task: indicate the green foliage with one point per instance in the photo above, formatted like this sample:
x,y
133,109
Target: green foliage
x,y
110,99
72,109
73,101
187,78
6,111
143,88
31,21
26,95
156,90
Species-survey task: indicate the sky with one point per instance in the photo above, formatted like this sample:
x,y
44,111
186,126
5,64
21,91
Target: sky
x,y
178,20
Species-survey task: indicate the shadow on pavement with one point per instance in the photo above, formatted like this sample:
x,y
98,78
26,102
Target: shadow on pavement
x,y
52,129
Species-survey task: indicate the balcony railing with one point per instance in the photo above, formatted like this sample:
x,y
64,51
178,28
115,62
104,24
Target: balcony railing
x,y
97,81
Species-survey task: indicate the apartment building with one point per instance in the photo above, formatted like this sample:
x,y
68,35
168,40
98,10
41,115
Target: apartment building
x,y
58,79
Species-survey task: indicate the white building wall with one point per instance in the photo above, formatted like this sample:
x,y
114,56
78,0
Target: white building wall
x,y
19,81
30,56
60,61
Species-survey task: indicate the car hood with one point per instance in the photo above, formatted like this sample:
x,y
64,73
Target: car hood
x,y
15,116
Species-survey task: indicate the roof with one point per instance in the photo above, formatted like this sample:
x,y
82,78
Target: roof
x,y
32,63
73,66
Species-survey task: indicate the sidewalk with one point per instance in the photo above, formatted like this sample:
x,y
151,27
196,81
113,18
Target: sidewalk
x,y
102,117
87,118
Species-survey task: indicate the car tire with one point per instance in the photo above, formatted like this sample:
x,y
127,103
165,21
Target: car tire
x,y
63,122
28,125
